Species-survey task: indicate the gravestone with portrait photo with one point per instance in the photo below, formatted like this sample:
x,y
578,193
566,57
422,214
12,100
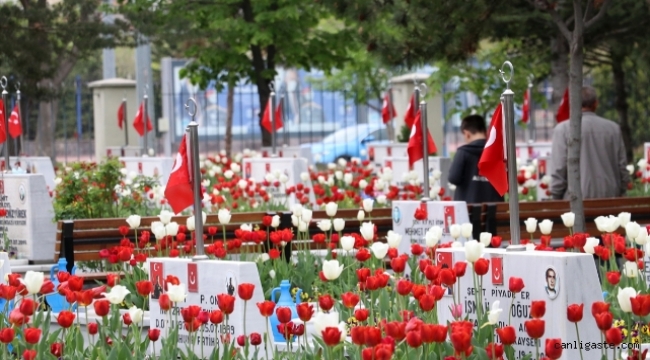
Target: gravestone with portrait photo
x,y
30,231
203,288
273,171
33,165
558,278
157,167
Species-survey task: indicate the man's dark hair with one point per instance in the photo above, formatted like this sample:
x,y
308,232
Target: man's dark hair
x,y
589,97
474,124
548,271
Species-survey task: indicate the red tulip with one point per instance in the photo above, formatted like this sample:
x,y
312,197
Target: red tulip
x,y
459,268
481,266
494,351
7,335
515,284
29,354
413,339
599,307
164,302
65,319
640,305
56,349
507,335
126,318
416,249
241,340
27,306
283,314
461,340
439,333
326,302
574,312
604,320
245,291
350,300
553,348
447,277
190,312
216,317
613,277
75,283
255,339
372,336
17,318
361,314
266,308
534,328
47,287
93,328
362,274
427,302
331,336
32,335
614,336
154,334
537,308
404,287
7,292
305,311
102,307
357,333
226,303
144,287
398,264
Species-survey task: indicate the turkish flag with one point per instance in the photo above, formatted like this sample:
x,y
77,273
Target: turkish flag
x,y
179,192
15,128
525,109
414,148
3,131
266,119
409,117
387,109
138,122
120,115
492,164
563,112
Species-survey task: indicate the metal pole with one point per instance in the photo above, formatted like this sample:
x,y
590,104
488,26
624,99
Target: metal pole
x,y
425,150
195,172
145,118
533,127
416,94
391,122
53,122
509,117
125,124
20,119
5,98
272,110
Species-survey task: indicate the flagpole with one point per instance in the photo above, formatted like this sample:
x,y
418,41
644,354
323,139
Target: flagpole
x,y
145,118
531,121
425,151
391,122
20,119
509,117
195,172
5,97
125,124
272,111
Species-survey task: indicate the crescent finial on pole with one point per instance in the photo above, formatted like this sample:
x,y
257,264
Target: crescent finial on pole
x,y
503,73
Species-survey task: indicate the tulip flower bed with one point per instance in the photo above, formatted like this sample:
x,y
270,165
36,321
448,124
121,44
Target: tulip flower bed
x,y
360,310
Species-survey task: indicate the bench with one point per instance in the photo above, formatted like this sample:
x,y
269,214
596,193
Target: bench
x,y
496,218
82,240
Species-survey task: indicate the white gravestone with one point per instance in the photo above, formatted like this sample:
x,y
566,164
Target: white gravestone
x,y
158,167
572,275
543,169
377,152
290,152
258,168
29,223
126,151
204,280
533,150
5,266
440,213
33,165
646,156
402,170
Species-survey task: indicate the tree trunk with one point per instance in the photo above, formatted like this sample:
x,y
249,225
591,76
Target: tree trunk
x,y
230,105
574,191
559,69
45,140
620,102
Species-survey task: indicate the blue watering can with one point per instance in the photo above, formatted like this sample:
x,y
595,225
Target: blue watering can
x,y
56,301
285,300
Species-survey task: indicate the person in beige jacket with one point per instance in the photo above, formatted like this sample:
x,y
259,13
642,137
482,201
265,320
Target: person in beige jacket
x,y
603,163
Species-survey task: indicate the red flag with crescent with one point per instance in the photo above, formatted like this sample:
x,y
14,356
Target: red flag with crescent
x,y
178,192
492,164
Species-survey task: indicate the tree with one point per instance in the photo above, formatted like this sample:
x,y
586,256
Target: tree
x,y
41,44
582,20
246,40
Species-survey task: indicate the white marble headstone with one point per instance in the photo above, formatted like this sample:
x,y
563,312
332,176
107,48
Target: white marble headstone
x,y
259,168
205,280
126,151
532,150
576,282
290,152
646,156
5,266
33,165
159,167
29,222
379,151
402,171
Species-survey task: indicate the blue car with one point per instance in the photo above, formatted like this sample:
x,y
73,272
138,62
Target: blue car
x,y
347,143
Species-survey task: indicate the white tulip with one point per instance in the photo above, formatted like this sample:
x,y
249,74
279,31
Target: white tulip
x,y
632,230
117,294
624,296
630,169
331,208
304,176
275,221
347,243
235,167
456,244
568,219
454,231
393,239
362,184
136,314
172,228
642,163
158,230
33,281
302,226
601,223
339,224
379,250
367,205
367,230
176,293
347,178
284,178
322,321
296,209
631,269
324,225
165,216
613,223
189,223
262,258
246,227
591,243
466,230
361,215
530,247
545,227
531,225
473,250
485,238
306,215
433,235
331,269
133,221
493,314
624,218
295,221
435,191
272,274
224,216
381,199
642,237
